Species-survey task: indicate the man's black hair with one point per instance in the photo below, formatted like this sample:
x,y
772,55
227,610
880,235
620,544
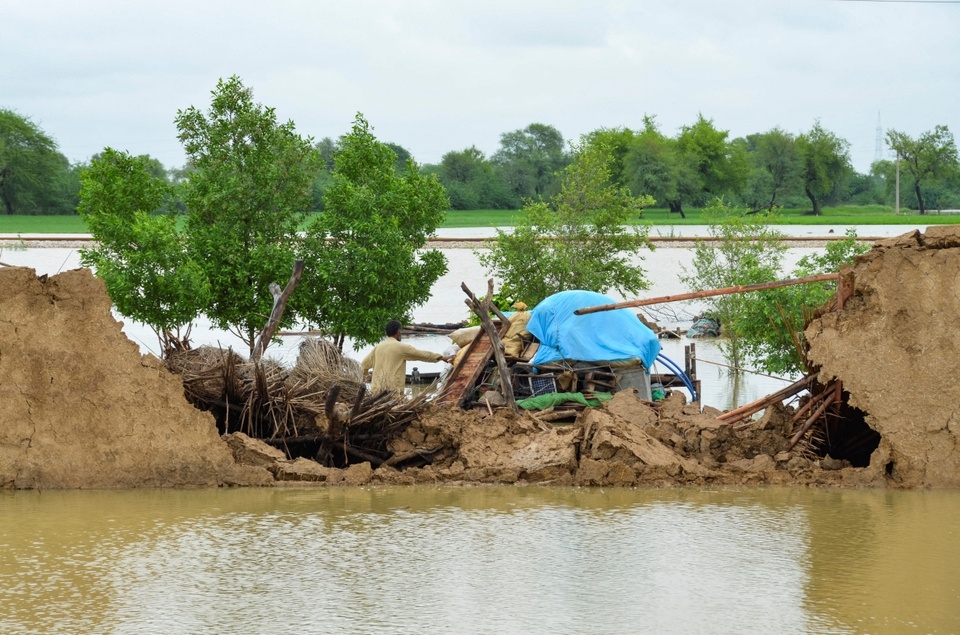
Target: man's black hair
x,y
393,327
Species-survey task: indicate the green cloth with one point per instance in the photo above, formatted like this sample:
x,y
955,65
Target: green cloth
x,y
550,399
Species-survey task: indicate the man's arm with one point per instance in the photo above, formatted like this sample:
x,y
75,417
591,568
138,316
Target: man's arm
x,y
368,363
411,354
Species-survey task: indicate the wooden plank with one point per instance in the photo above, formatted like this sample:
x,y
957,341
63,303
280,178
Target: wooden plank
x,y
466,373
707,293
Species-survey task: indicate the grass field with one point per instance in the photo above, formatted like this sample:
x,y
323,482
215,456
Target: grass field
x,y
850,215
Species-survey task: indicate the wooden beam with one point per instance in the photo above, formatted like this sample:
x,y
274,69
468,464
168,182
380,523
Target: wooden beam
x,y
707,293
482,309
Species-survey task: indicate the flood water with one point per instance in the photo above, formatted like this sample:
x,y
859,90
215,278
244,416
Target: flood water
x,y
479,560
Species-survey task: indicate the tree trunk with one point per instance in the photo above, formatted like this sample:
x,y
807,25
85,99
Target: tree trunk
x,y
676,206
7,203
814,201
916,188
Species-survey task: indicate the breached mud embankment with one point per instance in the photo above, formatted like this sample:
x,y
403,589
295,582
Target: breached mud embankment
x,y
80,407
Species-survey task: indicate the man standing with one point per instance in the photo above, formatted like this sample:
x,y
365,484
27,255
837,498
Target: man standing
x,y
389,358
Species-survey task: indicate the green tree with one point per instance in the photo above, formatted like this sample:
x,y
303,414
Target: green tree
x,y
34,177
528,160
139,254
771,319
775,154
826,164
651,167
720,165
472,183
403,155
745,250
578,240
931,156
246,198
618,141
364,253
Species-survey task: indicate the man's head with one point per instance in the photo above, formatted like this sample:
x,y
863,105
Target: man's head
x,y
393,328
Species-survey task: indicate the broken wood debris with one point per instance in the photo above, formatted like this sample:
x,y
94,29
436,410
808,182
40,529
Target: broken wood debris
x,y
483,309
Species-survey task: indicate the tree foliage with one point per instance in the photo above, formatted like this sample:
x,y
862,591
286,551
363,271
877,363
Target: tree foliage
x,y
826,164
776,168
247,196
931,156
746,250
720,165
34,177
650,166
576,241
773,317
529,159
139,254
762,329
365,252
472,182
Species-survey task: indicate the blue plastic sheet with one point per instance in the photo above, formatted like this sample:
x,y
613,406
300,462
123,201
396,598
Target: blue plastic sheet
x,y
595,337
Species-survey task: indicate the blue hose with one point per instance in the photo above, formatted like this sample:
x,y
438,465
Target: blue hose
x,y
671,365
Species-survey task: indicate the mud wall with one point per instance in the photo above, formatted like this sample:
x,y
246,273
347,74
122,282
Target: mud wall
x,y
895,346
80,407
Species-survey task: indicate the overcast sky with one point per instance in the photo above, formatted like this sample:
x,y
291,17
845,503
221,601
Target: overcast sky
x,y
442,75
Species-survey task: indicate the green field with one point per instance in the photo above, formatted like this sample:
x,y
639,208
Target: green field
x,y
849,215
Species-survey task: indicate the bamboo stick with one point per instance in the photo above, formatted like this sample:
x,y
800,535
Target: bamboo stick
x,y
815,399
482,309
708,293
829,399
737,414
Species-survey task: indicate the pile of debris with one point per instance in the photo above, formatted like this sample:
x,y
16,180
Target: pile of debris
x,y
318,410
550,358
80,407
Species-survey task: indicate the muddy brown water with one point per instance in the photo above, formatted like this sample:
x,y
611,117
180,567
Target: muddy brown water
x,y
479,560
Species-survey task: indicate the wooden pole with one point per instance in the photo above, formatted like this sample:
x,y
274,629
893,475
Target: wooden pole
x,y
832,395
279,304
482,309
708,293
745,411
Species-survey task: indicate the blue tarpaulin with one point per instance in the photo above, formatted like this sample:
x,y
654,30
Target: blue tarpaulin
x,y
594,337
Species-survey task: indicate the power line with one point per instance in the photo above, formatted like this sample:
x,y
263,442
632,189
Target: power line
x,y
904,1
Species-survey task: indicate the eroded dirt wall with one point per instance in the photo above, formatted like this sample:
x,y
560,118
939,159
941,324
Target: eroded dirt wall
x,y
80,407
895,346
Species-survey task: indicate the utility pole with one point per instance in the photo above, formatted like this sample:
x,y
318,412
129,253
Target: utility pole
x,y
878,151
897,204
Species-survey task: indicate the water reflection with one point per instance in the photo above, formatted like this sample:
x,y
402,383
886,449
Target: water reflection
x,y
482,560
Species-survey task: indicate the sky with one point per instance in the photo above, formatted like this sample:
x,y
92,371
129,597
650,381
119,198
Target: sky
x,y
436,76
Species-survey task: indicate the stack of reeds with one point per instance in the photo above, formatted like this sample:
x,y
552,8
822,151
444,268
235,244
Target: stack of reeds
x,y
319,408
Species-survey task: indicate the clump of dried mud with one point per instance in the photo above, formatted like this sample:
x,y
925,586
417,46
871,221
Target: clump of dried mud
x,y
895,346
626,442
79,407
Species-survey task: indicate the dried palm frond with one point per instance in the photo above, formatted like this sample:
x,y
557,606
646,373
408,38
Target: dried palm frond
x,y
321,365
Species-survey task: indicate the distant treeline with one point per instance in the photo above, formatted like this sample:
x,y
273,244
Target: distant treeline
x,y
807,170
